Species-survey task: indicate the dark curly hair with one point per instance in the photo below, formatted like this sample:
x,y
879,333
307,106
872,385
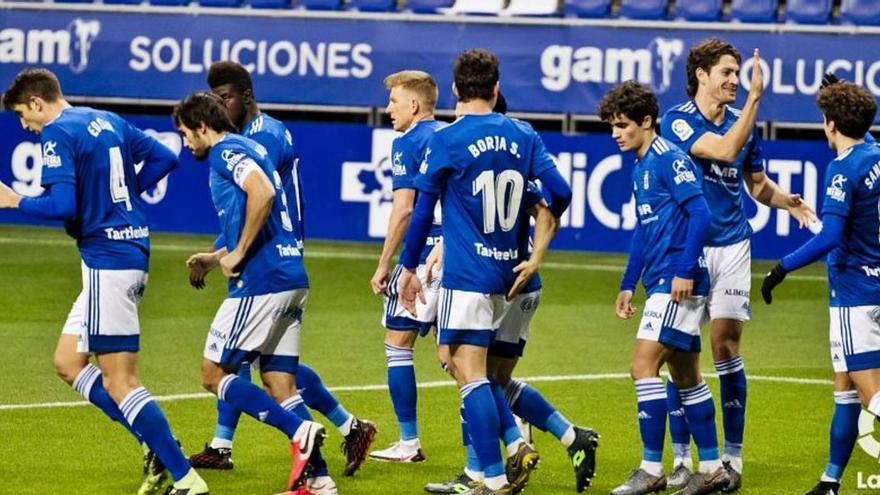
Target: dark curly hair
x,y
704,56
202,108
631,99
33,81
227,72
849,106
475,72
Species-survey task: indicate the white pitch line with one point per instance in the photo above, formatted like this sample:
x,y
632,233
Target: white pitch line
x,y
432,384
317,253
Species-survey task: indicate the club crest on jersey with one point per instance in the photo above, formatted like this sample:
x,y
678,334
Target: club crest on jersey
x,y
835,190
50,158
682,129
682,172
645,183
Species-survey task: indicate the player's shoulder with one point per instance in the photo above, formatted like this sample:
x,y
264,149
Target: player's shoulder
x,y
731,113
665,150
686,110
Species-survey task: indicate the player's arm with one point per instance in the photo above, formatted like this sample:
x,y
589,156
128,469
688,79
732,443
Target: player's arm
x,y
158,159
767,192
419,228
544,168
725,148
401,213
635,265
260,195
200,264
688,259
546,224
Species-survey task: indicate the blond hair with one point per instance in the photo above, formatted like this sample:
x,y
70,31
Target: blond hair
x,y
419,82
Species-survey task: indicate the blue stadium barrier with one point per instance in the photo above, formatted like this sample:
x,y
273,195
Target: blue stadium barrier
x,y
644,9
374,5
588,8
808,11
754,10
864,12
321,4
271,4
698,10
123,2
221,3
170,2
428,6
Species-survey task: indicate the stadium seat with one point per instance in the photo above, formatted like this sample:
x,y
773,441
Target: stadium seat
x,y
643,9
220,3
698,10
865,12
753,10
588,8
270,4
477,7
322,4
169,2
75,1
532,7
123,2
808,11
375,5
428,6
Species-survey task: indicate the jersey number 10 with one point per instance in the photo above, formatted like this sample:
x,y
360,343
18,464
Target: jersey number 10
x,y
502,197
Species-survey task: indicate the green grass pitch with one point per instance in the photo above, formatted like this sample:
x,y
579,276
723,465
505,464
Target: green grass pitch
x,y
76,450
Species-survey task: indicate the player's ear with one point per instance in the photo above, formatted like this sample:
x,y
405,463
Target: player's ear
x,y
648,122
702,75
247,96
35,103
455,91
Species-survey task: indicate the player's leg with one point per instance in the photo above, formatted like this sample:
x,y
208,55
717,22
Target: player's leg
x,y
358,433
682,463
218,453
844,432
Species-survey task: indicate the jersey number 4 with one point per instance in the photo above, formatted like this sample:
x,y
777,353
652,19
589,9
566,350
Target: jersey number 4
x,y
118,188
502,197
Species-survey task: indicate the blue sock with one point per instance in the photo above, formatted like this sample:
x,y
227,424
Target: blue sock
x,y
509,431
402,385
90,384
700,410
651,396
733,403
145,416
844,432
256,403
317,397
296,405
527,403
473,463
678,427
227,414
483,425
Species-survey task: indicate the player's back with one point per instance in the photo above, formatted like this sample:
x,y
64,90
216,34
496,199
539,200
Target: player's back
x,y
273,262
281,149
853,189
489,159
97,151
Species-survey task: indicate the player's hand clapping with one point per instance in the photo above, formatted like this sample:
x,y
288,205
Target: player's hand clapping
x,y
623,307
682,288
410,287
756,84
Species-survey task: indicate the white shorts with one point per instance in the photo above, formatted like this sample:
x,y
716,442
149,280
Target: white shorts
x,y
469,317
673,324
267,326
395,317
513,332
730,276
104,316
855,338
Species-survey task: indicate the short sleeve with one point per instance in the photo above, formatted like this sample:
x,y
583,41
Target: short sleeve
x,y
542,160
140,143
682,129
839,188
755,160
233,165
404,165
435,168
679,174
58,151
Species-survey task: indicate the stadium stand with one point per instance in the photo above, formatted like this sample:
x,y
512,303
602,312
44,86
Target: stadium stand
x,y
374,5
321,4
754,10
270,4
532,8
588,8
808,11
698,10
220,3
864,12
477,7
428,6
643,9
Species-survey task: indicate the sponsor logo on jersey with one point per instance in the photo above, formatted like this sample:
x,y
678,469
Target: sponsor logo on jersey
x,y
835,190
644,415
682,129
231,158
683,173
736,292
397,167
649,313
50,158
871,271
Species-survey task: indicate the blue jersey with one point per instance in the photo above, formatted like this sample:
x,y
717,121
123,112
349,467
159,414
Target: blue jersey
x,y
852,190
531,198
96,151
278,141
663,180
683,125
407,153
274,262
480,165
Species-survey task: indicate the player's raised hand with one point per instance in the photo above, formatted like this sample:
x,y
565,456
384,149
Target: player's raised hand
x,y
229,263
524,272
8,197
756,84
379,282
433,262
773,278
623,307
801,211
682,289
409,287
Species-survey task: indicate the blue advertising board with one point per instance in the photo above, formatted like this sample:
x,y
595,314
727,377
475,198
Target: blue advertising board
x,y
341,59
346,172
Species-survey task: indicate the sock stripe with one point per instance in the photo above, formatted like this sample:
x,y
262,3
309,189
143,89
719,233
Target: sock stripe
x,y
292,403
223,386
86,379
133,403
513,390
848,397
695,395
648,389
467,388
728,366
398,356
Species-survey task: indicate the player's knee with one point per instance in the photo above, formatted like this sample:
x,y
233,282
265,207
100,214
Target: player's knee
x,y
400,339
640,369
724,348
211,376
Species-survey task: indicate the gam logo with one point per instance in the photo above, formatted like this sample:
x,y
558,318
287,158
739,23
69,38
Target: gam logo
x,y
70,46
